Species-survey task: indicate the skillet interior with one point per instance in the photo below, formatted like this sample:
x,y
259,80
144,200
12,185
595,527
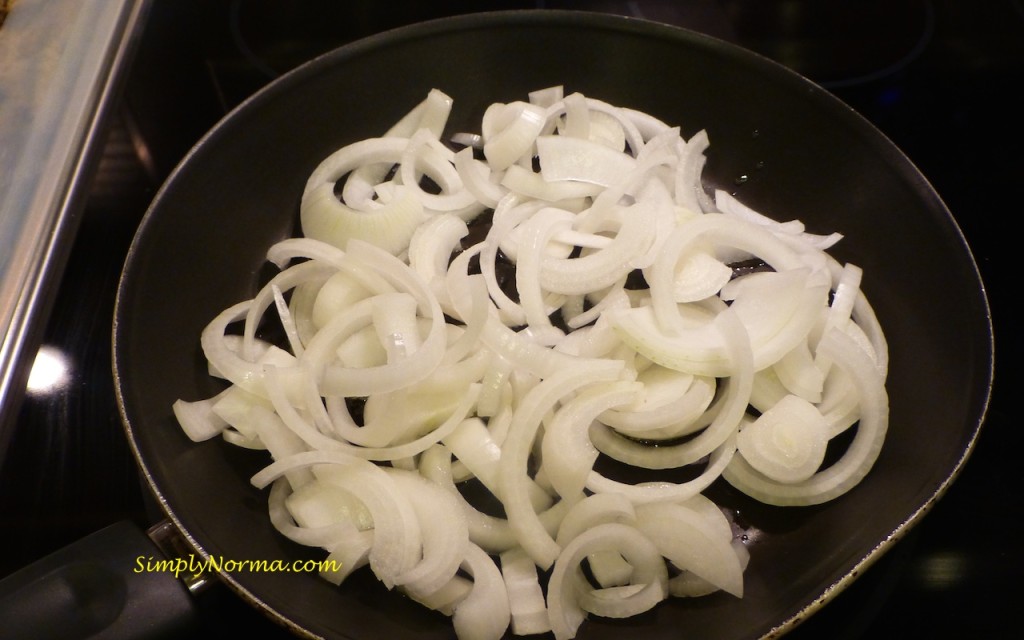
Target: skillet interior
x,y
201,248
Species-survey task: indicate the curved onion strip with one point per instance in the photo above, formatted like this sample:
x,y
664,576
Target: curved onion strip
x,y
566,450
444,529
564,157
858,458
397,542
431,115
658,491
476,176
446,598
325,536
345,381
226,361
431,248
426,152
198,419
489,532
283,281
671,403
613,297
564,608
349,553
787,442
776,324
484,614
532,535
633,137
607,567
510,131
725,423
537,233
473,445
604,267
525,596
721,230
691,543
324,217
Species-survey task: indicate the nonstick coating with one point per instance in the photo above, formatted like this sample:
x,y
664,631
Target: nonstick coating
x,y
804,155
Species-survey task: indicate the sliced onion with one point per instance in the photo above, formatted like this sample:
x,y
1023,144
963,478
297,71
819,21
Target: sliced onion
x,y
567,581
859,456
624,331
525,596
484,614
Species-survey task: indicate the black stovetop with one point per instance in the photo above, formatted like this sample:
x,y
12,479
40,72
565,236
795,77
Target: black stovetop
x,y
941,79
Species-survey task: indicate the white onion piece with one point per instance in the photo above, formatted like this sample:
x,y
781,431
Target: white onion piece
x,y
858,458
787,442
564,608
397,538
318,504
349,553
425,153
691,543
609,568
777,319
527,184
537,233
472,444
235,406
446,598
281,440
510,131
606,266
477,178
431,248
269,294
576,121
723,426
791,229
566,449
564,157
647,125
484,614
325,218
800,373
338,380
631,134
689,191
491,533
530,532
198,419
525,597
431,114
669,405
700,275
547,96
444,531
326,532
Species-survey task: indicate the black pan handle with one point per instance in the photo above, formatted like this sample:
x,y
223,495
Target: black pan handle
x,y
109,585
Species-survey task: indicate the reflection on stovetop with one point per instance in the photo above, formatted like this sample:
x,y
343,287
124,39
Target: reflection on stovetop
x,y
936,77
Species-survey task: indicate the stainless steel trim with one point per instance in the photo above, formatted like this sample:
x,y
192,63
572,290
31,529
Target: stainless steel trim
x,y
44,162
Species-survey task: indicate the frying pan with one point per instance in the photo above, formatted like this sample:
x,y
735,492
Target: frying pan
x,y
782,144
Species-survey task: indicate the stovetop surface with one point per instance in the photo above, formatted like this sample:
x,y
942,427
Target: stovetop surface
x,y
941,79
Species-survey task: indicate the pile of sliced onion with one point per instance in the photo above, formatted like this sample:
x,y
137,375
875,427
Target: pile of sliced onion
x,y
409,369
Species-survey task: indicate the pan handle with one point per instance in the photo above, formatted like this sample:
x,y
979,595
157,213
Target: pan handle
x,y
105,586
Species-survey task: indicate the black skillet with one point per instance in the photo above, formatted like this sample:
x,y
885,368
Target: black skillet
x,y
779,142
